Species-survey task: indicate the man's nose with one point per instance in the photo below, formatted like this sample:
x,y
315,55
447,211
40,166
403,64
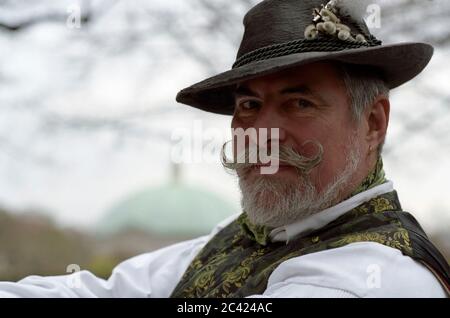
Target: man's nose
x,y
269,119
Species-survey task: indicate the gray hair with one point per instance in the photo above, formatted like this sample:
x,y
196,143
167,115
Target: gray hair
x,y
364,84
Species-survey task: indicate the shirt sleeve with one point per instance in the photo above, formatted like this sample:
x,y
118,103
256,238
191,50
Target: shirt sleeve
x,y
148,275
356,270
153,274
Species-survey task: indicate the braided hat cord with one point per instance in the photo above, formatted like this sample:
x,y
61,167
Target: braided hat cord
x,y
302,46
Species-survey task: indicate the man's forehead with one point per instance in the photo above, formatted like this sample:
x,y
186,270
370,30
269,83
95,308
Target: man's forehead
x,y
299,78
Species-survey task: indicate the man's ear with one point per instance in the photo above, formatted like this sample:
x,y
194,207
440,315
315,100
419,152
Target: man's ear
x,y
377,118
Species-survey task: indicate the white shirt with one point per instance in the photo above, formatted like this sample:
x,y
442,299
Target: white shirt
x,y
356,270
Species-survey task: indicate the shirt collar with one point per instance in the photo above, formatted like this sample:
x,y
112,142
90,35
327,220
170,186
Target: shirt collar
x,y
322,218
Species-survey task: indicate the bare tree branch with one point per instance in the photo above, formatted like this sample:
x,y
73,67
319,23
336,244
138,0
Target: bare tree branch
x,y
32,21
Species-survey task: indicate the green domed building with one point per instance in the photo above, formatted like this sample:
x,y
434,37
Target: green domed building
x,y
171,210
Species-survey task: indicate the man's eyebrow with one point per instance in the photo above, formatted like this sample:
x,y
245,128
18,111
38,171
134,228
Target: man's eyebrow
x,y
301,89
244,91
304,90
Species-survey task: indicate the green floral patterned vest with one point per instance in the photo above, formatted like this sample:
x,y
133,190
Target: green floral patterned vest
x,y
238,260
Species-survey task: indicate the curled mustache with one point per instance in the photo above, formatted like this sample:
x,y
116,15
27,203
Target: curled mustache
x,y
286,156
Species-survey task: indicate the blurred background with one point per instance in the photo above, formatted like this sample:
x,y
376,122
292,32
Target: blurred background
x,y
88,118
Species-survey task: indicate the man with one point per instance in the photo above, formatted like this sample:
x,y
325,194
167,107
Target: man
x,y
326,222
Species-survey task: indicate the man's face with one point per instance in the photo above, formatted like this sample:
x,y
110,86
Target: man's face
x,y
307,103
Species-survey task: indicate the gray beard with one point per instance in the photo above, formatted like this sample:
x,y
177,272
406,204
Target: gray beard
x,y
274,202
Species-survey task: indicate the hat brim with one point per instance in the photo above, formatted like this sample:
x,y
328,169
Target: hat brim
x,y
399,63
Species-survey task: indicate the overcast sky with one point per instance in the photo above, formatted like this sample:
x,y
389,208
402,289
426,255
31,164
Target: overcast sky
x,y
76,175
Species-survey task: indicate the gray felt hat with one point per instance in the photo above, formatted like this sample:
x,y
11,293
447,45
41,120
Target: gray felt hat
x,y
280,34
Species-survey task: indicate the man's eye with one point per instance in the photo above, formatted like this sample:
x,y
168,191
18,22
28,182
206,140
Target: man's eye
x,y
248,104
303,103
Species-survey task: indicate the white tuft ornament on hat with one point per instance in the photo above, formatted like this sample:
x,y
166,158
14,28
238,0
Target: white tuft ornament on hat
x,y
327,20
